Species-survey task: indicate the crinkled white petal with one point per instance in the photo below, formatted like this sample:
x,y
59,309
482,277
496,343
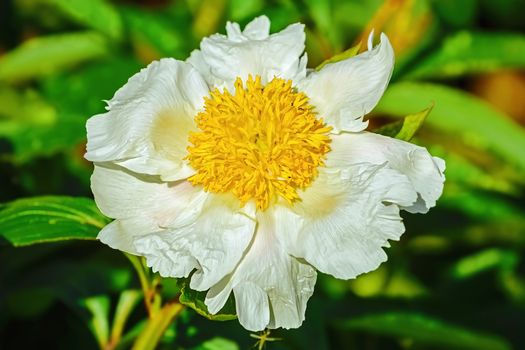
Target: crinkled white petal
x,y
213,241
346,217
223,58
257,29
343,92
424,171
119,233
141,204
271,287
148,120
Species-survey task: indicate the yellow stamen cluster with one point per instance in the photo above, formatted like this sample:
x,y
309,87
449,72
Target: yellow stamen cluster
x,y
259,143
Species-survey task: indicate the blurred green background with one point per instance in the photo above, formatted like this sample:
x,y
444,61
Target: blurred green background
x,y
456,280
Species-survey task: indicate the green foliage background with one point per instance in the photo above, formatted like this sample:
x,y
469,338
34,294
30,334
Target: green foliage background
x,y
455,280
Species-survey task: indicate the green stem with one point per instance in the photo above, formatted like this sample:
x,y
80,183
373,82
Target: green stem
x,y
156,326
147,288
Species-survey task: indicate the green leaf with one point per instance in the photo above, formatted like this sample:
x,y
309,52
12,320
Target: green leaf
x,y
50,219
457,14
422,329
25,106
349,53
405,129
96,14
218,343
55,122
195,300
492,258
128,338
155,35
471,52
98,307
477,123
127,302
45,55
387,282
243,9
464,172
321,13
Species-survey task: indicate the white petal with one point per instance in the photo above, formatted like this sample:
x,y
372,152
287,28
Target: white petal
x,y
257,29
424,171
343,92
120,233
218,295
252,306
122,194
148,120
215,240
224,58
141,204
162,258
285,282
346,217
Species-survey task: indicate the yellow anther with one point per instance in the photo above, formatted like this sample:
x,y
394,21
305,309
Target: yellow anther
x,y
261,143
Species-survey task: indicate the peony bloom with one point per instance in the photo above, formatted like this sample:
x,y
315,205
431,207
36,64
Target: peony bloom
x,y
250,172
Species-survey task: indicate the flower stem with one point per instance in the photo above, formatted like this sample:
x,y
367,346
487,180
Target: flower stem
x,y
151,297
156,326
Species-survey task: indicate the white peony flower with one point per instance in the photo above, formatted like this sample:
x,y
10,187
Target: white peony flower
x,y
249,170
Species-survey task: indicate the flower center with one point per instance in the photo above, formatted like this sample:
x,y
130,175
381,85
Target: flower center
x,y
261,143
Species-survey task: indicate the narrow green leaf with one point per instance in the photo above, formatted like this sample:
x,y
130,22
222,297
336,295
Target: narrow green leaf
x,y
457,14
468,53
462,170
96,14
492,258
49,219
217,343
45,55
127,302
25,106
156,32
472,120
128,338
98,306
405,129
482,206
387,282
156,326
195,300
422,329
242,9
322,15
349,53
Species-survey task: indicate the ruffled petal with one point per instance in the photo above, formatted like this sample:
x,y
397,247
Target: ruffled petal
x,y
122,194
141,204
343,92
214,241
346,217
424,171
120,233
257,29
223,58
148,120
271,288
